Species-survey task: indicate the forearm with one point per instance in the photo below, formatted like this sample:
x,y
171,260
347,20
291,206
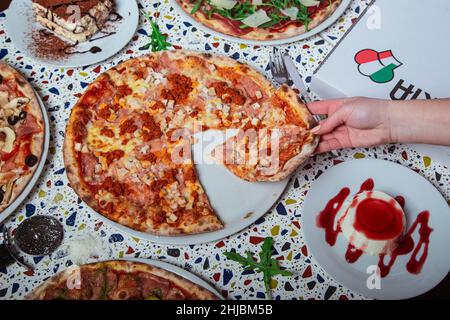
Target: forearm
x,y
420,121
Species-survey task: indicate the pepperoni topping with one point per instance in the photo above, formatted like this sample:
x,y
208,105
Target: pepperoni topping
x,y
158,105
170,174
114,187
97,93
190,175
123,91
158,185
228,94
128,126
107,132
113,155
180,87
148,157
104,113
159,216
151,128
147,120
89,99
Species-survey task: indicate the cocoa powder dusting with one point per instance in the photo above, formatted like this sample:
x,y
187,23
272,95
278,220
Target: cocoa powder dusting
x,y
46,45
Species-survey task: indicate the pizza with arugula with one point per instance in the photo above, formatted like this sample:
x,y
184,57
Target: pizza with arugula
x,y
260,19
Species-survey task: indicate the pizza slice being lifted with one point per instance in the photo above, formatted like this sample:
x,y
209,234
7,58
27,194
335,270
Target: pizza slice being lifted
x,y
127,145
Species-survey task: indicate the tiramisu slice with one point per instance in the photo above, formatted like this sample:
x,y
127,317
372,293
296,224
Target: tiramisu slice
x,y
75,20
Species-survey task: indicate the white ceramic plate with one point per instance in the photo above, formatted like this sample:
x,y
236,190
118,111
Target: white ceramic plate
x,y
238,203
13,206
20,31
325,24
395,180
180,272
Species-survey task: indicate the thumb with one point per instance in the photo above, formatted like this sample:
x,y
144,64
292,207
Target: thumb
x,y
332,122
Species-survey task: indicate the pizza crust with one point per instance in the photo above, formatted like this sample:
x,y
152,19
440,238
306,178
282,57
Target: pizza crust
x,y
190,59
197,292
258,34
312,140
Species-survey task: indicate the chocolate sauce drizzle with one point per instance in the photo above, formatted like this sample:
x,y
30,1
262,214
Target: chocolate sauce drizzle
x,y
4,4
116,17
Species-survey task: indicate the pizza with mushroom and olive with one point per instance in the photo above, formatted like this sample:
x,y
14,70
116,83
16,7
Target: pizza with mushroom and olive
x,y
21,134
260,20
128,139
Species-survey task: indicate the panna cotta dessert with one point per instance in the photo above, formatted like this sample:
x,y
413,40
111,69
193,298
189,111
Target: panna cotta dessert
x,y
372,222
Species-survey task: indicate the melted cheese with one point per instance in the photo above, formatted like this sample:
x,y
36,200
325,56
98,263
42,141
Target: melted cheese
x,y
99,143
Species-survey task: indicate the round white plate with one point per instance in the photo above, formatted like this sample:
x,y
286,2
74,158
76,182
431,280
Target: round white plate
x,y
238,203
395,180
325,24
20,31
180,272
13,206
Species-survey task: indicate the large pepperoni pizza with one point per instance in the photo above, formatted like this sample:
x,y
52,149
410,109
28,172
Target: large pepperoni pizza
x,y
128,140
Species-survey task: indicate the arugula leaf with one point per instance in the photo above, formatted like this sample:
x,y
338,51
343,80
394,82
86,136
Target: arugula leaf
x,y
245,8
158,40
239,12
156,294
197,5
267,265
303,14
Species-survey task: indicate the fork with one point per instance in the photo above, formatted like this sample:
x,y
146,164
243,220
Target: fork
x,y
281,75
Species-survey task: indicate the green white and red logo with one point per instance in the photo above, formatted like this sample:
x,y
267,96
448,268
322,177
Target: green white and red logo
x,y
378,66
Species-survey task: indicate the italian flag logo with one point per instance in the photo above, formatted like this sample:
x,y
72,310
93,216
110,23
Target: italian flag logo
x,y
378,66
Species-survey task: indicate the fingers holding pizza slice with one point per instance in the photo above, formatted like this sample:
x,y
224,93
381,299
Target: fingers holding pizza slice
x,y
127,146
269,150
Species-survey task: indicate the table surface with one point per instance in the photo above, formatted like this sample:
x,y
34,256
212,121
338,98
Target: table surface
x,y
59,89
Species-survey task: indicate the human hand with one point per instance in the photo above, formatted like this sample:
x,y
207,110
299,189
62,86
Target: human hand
x,y
352,123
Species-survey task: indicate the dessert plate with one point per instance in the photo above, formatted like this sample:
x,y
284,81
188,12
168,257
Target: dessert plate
x,y
395,180
101,47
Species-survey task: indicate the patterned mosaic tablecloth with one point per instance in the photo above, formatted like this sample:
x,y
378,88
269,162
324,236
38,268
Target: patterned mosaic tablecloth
x,y
60,89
